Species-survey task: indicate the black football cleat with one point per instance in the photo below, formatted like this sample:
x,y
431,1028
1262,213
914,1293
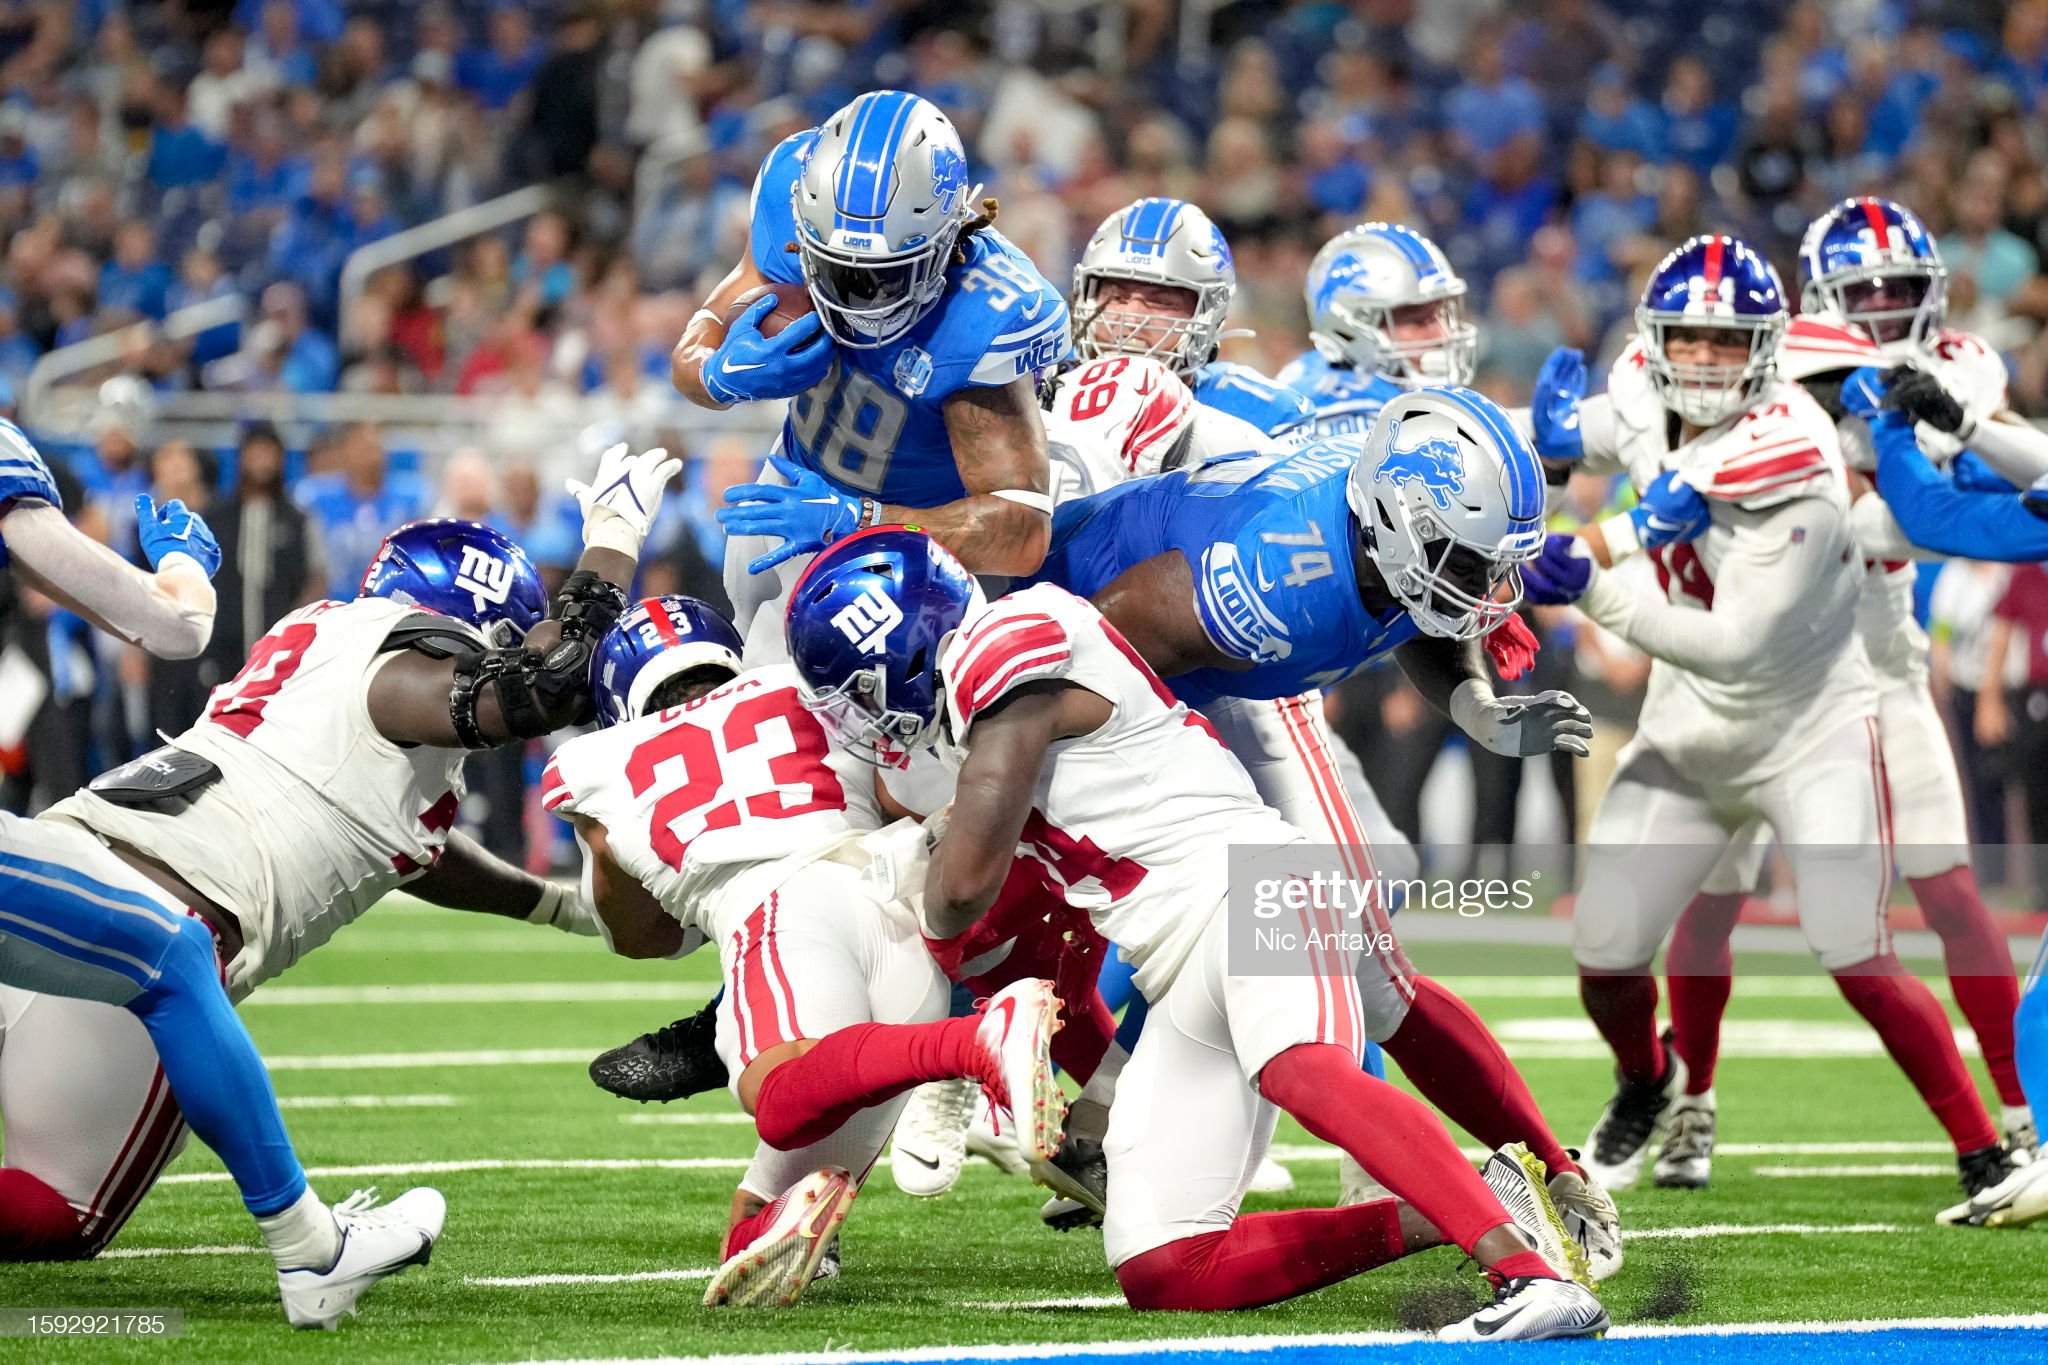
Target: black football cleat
x,y
671,1063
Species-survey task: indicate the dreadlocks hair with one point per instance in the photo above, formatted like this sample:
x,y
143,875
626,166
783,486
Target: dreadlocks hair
x,y
990,210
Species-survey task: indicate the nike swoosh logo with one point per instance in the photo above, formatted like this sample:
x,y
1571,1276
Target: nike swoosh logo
x,y
930,1163
1259,572
1009,1009
1486,1330
731,368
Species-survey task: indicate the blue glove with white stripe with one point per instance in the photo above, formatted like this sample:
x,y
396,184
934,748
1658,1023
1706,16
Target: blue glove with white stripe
x,y
809,514
175,529
748,366
1554,406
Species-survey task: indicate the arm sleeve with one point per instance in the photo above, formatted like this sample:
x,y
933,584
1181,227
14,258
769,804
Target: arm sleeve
x,y
2016,448
113,594
1938,516
1762,590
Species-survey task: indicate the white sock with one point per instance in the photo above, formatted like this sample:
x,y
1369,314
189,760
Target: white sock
x,y
303,1235
1088,1115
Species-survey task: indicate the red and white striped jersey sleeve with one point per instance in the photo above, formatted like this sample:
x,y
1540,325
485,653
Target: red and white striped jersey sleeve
x,y
1783,447
1018,639
574,782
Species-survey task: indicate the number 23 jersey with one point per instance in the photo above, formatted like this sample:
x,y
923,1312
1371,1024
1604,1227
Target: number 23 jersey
x,y
875,424
696,796
316,815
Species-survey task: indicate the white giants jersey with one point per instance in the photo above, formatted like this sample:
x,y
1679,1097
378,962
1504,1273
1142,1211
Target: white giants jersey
x,y
316,815
1135,820
696,796
1820,344
1124,417
1778,494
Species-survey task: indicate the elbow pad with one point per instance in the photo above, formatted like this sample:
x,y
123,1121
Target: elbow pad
x,y
537,693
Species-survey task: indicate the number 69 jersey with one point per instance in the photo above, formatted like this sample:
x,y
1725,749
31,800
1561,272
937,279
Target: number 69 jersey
x,y
1136,819
695,797
316,815
875,424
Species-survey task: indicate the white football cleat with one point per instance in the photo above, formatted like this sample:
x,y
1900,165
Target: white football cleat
x,y
1016,1033
1687,1159
931,1137
797,1232
1636,1117
991,1146
1530,1309
2014,1202
377,1240
1516,1178
2016,1123
1354,1186
1590,1218
1271,1178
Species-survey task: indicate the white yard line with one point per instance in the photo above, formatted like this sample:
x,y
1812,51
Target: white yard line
x,y
368,1101
1575,1037
1285,1152
694,1163
1085,1301
402,1061
1750,1230
720,1119
146,1253
530,1281
1817,1172
1265,1344
484,993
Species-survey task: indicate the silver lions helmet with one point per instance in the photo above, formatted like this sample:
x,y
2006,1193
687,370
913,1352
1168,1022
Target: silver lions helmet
x,y
1163,244
1449,499
1371,283
880,200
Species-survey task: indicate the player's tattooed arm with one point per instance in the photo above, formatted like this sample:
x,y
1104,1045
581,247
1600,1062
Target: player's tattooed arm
x,y
706,332
1004,524
633,921
467,877
1153,604
1006,748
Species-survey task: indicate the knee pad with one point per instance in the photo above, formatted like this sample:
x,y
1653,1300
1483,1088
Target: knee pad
x,y
37,1223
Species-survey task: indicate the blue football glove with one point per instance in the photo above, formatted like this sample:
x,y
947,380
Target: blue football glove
x,y
749,366
1669,512
175,529
1554,406
1558,576
1863,393
809,514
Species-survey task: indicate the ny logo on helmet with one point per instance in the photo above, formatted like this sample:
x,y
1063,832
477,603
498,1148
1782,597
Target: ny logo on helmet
x,y
868,619
487,580
1434,462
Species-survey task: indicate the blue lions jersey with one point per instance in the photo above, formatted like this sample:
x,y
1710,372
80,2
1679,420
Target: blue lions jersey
x,y
1249,396
1271,541
22,475
875,423
1345,399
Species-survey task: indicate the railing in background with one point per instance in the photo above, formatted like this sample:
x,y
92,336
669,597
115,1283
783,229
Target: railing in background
x,y
447,230
45,405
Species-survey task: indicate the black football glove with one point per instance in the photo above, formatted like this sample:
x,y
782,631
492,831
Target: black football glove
x,y
1921,397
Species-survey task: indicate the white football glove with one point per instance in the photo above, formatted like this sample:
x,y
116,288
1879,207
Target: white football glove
x,y
564,907
620,502
1522,727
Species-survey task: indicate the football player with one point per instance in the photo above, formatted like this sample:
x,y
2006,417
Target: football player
x,y
714,808
1386,314
1156,279
1761,704
913,386
324,775
1873,295
1068,745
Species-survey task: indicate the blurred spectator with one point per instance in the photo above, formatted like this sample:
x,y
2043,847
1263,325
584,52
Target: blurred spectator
x,y
201,280
1616,119
669,77
1490,107
176,688
1699,128
280,52
1518,335
134,280
222,83
563,120
500,70
542,264
1960,625
2016,720
181,154
356,503
550,530
18,350
19,164
320,21
292,354
114,469
272,560
1993,262
1559,48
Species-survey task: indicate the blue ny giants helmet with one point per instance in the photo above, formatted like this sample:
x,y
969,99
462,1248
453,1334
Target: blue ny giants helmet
x,y
1871,263
658,638
864,626
460,569
1712,287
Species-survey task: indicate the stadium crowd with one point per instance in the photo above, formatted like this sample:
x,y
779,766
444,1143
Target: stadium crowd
x,y
154,156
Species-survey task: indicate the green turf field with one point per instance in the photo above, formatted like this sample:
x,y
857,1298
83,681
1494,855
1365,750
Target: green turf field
x,y
550,1177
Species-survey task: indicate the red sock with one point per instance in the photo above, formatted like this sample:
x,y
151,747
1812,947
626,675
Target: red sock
x,y
1698,974
36,1222
1393,1135
1450,1055
1263,1258
851,1069
1916,1032
1979,969
1088,1030
1623,1007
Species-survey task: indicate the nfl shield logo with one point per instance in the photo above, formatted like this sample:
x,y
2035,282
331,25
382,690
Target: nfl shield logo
x,y
913,371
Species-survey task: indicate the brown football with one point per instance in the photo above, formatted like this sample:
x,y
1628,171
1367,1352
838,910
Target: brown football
x,y
792,301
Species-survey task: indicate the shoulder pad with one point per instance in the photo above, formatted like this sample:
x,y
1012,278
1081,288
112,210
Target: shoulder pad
x,y
1818,344
433,635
